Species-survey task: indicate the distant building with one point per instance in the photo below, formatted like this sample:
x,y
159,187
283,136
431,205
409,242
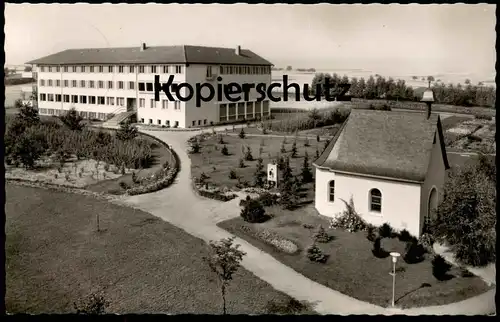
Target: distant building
x,y
393,165
102,82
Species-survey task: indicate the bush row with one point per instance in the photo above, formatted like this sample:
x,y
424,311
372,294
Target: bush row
x,y
272,239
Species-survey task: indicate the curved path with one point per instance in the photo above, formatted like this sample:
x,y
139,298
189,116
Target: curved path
x,y
198,216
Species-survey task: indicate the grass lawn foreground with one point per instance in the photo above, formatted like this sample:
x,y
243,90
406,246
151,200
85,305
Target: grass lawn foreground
x,y
352,269
55,256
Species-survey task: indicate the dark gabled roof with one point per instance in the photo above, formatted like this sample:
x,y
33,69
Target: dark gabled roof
x,y
388,144
153,55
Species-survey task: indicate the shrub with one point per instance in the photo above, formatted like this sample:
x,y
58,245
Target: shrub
x,y
221,139
349,219
321,235
248,154
126,131
275,240
427,242
134,177
414,253
268,199
253,212
195,147
483,117
308,226
292,306
371,234
404,236
377,250
294,149
242,133
123,185
464,272
224,150
241,163
106,167
232,174
440,268
385,231
282,149
315,254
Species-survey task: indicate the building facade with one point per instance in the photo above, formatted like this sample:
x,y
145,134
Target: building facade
x,y
392,164
100,83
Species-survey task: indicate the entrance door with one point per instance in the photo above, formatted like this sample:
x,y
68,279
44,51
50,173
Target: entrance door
x,y
432,205
131,104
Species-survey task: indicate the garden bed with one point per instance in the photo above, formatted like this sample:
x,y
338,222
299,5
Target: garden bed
x,y
351,268
472,135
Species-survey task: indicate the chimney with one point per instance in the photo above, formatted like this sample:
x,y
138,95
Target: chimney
x,y
237,51
143,46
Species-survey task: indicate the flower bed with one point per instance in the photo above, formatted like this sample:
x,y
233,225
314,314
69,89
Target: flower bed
x,y
214,193
282,244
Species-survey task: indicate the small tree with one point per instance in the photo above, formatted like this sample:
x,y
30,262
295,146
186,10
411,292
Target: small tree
x,y
248,154
253,212
241,163
224,261
195,147
28,115
283,149
26,150
294,149
232,174
242,134
259,173
93,304
306,170
224,150
73,120
440,268
321,236
126,131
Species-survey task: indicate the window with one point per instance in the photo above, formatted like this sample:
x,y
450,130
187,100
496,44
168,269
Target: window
x,y
92,115
142,87
83,99
50,82
73,83
131,85
101,69
42,69
167,123
42,82
100,100
74,98
82,84
58,97
164,104
58,83
159,122
150,121
149,87
111,101
110,68
177,105
74,69
331,191
194,123
165,69
66,83
50,97
120,85
205,122
100,84
176,124
82,68
141,69
91,68
375,200
43,111
92,100
120,69
153,103
120,101
199,122
142,102
110,84
91,84
209,71
58,69
178,69
142,120
221,70
43,97
50,69
153,69
131,69
66,98
51,111
101,116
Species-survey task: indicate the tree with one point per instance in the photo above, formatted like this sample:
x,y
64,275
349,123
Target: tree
x,y
314,116
242,134
127,131
28,69
224,261
73,120
259,173
94,304
294,149
288,68
26,150
466,217
28,115
430,79
306,170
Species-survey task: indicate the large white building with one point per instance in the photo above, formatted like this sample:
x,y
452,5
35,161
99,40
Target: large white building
x,y
102,82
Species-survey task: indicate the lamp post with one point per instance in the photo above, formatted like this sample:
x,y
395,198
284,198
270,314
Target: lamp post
x,y
394,256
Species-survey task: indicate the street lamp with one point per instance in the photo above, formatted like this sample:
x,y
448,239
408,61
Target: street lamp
x,y
394,256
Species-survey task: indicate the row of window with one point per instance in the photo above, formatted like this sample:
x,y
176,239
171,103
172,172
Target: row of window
x,y
164,104
141,69
167,122
87,84
240,70
58,112
82,99
374,194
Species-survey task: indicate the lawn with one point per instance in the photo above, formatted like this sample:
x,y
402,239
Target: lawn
x,y
352,269
55,256
217,166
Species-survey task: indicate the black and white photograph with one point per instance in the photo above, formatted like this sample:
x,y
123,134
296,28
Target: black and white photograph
x,y
250,159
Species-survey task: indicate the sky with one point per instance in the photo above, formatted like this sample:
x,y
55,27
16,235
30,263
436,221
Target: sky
x,y
397,39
